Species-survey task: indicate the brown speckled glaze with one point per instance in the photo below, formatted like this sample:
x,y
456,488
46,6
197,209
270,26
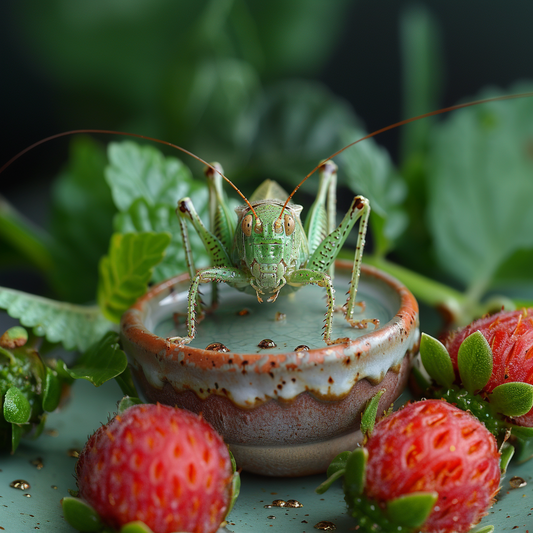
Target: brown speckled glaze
x,y
282,414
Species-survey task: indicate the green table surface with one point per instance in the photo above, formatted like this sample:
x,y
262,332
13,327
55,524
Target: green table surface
x,y
90,406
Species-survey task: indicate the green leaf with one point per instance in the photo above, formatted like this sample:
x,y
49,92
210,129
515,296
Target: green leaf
x,y
142,172
16,435
75,326
235,491
127,402
127,269
479,157
159,218
17,408
412,510
125,382
80,515
522,432
512,399
135,527
474,361
370,172
436,360
52,391
483,529
369,415
103,361
355,475
14,337
336,470
506,455
82,213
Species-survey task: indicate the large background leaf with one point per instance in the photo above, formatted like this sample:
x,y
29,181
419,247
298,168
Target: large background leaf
x,y
480,188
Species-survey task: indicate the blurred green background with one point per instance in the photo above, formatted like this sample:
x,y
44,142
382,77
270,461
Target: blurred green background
x,y
269,89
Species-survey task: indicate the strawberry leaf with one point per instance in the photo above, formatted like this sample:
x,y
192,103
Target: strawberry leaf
x,y
355,475
369,415
17,408
52,391
103,361
474,360
336,470
127,269
127,402
436,361
522,432
411,510
135,527
507,452
483,529
512,399
81,515
75,326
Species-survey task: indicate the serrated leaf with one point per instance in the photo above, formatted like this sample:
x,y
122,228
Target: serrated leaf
x,y
512,399
369,415
411,510
75,326
143,172
17,408
127,269
159,218
475,362
52,391
480,156
80,515
355,474
436,360
103,361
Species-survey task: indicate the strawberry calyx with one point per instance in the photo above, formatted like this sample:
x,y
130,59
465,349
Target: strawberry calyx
x,y
467,388
405,514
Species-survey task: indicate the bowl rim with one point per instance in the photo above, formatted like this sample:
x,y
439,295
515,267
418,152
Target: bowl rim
x,y
134,332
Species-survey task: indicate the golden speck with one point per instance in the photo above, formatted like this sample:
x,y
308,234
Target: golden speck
x,y
20,484
217,347
72,452
54,487
243,312
452,448
27,495
280,317
325,526
294,503
37,463
271,517
267,343
517,482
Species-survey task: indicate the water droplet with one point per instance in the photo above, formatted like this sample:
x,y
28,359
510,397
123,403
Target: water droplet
x,y
73,452
20,484
243,312
301,348
325,526
294,503
54,487
271,517
280,317
517,482
217,347
268,506
267,343
27,495
279,503
37,463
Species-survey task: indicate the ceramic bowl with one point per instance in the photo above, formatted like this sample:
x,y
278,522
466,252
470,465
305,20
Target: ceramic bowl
x,y
283,410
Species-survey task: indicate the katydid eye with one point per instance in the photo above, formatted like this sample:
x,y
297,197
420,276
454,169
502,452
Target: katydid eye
x,y
247,225
289,225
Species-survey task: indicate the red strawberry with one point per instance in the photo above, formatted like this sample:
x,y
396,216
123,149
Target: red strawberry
x,y
433,446
510,335
160,465
428,467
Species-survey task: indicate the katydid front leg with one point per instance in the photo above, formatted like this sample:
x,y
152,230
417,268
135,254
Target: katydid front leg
x,y
234,276
327,251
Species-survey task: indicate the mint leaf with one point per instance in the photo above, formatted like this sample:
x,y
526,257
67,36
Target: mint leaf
x,y
75,326
480,189
127,269
103,361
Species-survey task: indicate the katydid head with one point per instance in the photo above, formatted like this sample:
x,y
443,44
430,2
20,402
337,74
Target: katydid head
x,y
266,245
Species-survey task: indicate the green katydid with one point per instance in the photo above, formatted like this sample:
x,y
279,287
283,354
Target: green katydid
x,y
268,250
